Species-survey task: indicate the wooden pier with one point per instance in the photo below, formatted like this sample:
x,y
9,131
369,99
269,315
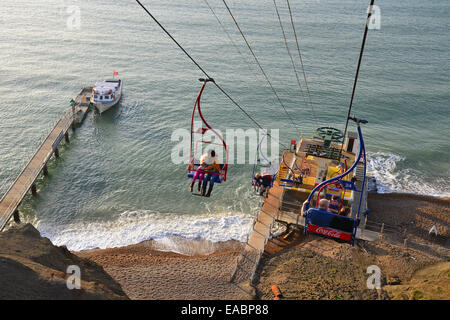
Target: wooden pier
x,y
26,180
81,104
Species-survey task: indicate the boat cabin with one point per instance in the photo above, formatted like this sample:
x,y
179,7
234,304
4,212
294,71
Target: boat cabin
x,y
105,91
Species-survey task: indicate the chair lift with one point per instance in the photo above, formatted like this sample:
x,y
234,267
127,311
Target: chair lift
x,y
197,141
331,225
264,167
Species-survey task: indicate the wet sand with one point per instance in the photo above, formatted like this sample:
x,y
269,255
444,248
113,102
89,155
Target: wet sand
x,y
145,272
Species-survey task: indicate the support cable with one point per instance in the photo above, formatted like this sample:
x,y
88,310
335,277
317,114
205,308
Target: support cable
x,y
207,75
228,35
260,67
357,72
301,62
289,52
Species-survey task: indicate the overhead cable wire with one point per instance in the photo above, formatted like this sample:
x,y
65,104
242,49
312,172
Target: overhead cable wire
x,y
207,75
369,15
289,52
301,62
228,35
260,67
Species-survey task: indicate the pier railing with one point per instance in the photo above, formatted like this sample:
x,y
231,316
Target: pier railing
x,y
22,184
253,249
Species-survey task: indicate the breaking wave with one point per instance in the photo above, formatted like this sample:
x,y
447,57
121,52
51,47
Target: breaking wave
x,y
390,177
133,227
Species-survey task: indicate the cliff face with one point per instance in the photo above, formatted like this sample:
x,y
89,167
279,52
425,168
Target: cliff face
x,y
31,267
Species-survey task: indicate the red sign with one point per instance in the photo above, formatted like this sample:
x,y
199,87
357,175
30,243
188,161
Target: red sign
x,y
116,73
330,232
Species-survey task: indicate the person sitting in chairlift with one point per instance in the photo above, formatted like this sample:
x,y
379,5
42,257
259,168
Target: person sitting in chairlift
x,y
334,205
206,160
298,180
257,182
199,174
323,205
266,182
212,173
344,211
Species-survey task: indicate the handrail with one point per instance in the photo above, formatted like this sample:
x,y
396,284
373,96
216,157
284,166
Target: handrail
x,y
31,159
362,151
65,122
252,271
290,169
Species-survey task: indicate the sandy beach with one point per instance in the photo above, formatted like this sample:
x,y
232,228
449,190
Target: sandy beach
x,y
146,273
304,267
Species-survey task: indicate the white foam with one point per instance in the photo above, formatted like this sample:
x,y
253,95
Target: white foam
x,y
133,227
389,178
184,246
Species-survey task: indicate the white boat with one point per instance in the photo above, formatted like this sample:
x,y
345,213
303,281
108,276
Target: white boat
x,y
106,94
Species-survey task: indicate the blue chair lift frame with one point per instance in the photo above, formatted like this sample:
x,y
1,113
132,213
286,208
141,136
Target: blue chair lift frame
x,y
346,184
258,161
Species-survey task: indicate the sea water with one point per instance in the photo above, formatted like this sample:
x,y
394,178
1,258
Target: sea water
x,y
116,184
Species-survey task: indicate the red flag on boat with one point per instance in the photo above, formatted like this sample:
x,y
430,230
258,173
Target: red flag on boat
x,y
116,73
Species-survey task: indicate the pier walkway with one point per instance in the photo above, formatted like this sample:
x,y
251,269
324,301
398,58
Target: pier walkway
x,y
26,180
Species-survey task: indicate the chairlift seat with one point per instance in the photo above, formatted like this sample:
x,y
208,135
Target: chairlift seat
x,y
330,225
219,177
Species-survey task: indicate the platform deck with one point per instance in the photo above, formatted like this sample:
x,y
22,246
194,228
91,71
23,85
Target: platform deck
x,y
19,188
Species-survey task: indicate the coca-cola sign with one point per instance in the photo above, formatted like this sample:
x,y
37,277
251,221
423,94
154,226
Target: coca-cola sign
x,y
329,232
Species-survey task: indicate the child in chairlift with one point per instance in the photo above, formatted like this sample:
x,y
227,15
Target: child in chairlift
x,y
257,182
334,205
263,182
199,174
